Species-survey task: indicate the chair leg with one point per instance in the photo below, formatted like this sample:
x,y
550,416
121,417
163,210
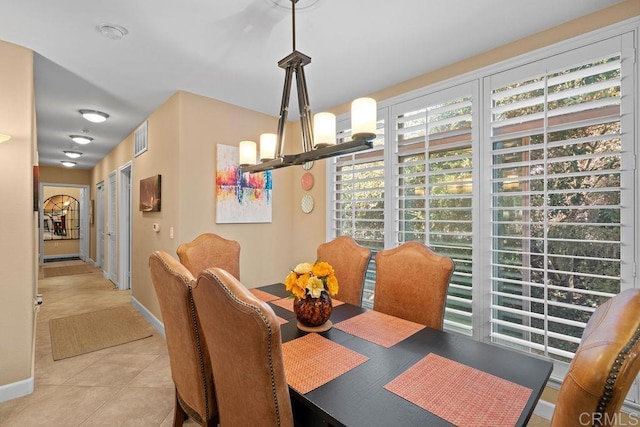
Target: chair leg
x,y
179,416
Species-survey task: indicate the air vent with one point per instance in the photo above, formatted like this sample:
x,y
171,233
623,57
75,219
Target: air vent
x,y
140,140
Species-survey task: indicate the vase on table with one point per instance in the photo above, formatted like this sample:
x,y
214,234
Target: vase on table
x,y
313,314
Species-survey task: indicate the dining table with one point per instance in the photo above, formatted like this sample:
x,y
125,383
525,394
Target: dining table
x,y
371,369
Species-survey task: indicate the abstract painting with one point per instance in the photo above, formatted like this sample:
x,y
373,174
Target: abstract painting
x,y
240,198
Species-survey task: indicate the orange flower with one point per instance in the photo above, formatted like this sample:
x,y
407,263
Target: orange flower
x,y
322,269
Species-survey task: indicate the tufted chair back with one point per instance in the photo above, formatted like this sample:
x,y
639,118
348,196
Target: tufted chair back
x,y
604,366
210,250
412,283
188,353
246,352
349,261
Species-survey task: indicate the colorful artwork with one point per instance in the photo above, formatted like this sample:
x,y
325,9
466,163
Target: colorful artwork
x,y
240,198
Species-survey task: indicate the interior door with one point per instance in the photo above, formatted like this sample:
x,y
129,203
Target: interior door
x,y
100,226
124,228
112,230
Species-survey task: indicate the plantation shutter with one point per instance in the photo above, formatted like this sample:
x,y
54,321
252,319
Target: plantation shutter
x,y
356,199
560,189
433,175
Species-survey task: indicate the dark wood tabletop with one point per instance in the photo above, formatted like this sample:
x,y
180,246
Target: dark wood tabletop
x,y
358,397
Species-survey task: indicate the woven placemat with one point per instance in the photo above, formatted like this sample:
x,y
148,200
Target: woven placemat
x,y
460,394
379,328
263,296
287,303
312,360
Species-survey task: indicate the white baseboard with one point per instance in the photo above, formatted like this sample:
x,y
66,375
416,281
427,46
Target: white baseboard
x,y
17,389
157,324
544,409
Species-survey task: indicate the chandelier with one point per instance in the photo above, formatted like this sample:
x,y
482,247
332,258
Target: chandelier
x,y
319,136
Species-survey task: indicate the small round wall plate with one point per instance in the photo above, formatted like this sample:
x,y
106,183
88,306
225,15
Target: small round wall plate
x,y
307,165
306,181
306,203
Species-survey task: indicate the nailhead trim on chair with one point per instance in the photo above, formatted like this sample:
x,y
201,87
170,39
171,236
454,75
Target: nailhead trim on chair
x,y
200,356
268,324
613,376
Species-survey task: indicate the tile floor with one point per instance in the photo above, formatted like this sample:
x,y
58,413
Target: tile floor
x,y
126,385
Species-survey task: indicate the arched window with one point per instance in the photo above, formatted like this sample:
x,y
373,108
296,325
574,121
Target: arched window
x,y
61,219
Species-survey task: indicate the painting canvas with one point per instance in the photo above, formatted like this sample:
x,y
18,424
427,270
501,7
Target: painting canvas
x,y
150,194
240,198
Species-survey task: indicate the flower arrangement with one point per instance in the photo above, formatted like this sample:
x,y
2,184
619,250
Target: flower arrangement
x,y
312,279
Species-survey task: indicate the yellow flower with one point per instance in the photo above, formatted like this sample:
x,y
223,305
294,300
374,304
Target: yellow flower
x,y
303,268
322,269
315,287
332,285
311,279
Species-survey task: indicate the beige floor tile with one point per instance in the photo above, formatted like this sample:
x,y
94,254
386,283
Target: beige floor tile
x,y
134,407
58,406
112,370
157,374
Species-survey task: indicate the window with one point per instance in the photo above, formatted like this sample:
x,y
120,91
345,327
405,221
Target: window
x,y
558,190
527,184
61,218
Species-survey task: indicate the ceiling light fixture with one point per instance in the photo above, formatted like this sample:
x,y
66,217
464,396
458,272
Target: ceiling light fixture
x,y
81,139
72,154
68,164
94,116
363,123
4,138
112,32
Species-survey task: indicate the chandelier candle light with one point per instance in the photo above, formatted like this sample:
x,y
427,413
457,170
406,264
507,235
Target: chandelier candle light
x,y
319,136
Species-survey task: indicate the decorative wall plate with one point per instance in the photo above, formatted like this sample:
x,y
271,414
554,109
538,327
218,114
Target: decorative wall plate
x,y
306,203
306,181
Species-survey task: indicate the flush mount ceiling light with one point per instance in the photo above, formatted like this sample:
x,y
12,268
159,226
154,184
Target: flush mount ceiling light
x,y
72,154
81,139
68,163
112,32
4,138
322,130
94,116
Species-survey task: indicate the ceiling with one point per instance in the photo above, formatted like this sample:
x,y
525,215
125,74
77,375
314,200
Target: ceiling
x,y
229,49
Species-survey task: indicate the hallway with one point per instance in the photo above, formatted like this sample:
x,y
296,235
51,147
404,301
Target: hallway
x,y
126,385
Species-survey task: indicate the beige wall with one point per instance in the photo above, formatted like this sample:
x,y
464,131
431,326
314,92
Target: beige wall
x,y
18,263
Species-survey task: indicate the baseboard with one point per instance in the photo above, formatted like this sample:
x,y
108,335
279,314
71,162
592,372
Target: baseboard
x,y
17,389
157,324
544,409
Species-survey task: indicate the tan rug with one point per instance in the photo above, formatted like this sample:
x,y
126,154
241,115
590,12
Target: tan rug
x,y
67,270
87,332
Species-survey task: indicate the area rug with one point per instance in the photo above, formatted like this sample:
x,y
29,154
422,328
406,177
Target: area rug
x,y
67,270
87,332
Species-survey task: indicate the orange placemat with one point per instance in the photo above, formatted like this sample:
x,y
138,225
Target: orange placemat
x,y
379,328
287,303
263,296
460,394
313,360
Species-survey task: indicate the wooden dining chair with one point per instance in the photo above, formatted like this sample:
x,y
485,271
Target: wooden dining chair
x,y
412,283
188,353
210,250
604,366
349,261
245,345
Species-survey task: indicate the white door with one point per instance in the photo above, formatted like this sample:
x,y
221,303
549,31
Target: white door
x,y
124,228
100,225
111,230
84,223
